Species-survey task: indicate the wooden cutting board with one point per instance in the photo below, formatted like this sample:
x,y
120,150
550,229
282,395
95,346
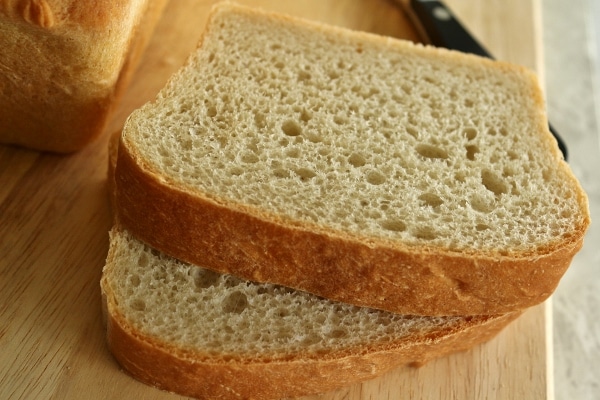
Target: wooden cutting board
x,y
54,219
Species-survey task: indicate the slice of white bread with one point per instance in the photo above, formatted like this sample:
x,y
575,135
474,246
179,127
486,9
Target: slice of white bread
x,y
63,65
198,333
360,168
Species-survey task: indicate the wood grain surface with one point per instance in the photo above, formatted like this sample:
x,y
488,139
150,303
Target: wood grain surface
x,y
54,221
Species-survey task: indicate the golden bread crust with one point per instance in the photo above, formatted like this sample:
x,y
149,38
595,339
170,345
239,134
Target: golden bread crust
x,y
63,67
191,373
54,13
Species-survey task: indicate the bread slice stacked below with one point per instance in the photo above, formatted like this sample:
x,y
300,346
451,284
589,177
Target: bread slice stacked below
x,y
199,333
303,207
63,65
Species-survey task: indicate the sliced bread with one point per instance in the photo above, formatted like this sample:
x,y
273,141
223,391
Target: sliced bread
x,y
360,168
63,65
198,333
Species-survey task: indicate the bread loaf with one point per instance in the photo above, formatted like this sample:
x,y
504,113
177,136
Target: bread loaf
x,y
198,333
63,64
360,168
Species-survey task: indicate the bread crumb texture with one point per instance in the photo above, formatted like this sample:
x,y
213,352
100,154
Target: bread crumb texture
x,y
227,318
366,135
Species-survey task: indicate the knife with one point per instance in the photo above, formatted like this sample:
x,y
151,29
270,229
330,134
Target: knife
x,y
436,23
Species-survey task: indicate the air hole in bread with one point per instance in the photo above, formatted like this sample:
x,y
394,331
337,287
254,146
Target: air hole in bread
x,y
303,76
135,280
235,303
431,200
187,144
394,225
236,170
375,178
205,278
470,133
493,182
566,214
515,190
293,152
384,205
283,335
311,339
546,175
433,174
424,232
305,173
471,151
388,134
340,119
143,260
508,171
324,151
480,204
374,214
432,152
231,281
281,173
291,128
282,312
357,160
260,120
211,111
374,91
332,74
305,116
397,98
138,305
250,158
482,227
314,137
412,131
337,333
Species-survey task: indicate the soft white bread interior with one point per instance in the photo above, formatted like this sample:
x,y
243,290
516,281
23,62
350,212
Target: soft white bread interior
x,y
198,333
63,65
383,173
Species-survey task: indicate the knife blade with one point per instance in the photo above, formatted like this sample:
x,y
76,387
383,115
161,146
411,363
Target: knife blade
x,y
438,26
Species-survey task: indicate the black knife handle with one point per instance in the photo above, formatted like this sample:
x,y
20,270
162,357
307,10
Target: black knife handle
x,y
444,30
561,144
